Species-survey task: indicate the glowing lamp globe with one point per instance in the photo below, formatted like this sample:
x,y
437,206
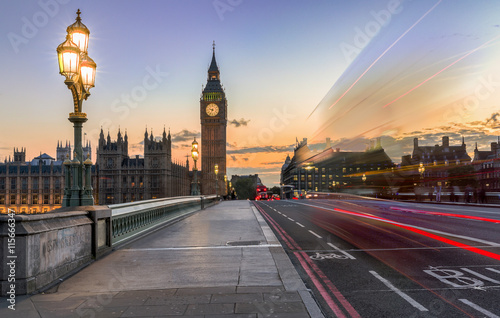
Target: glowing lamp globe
x,y
68,55
87,72
79,33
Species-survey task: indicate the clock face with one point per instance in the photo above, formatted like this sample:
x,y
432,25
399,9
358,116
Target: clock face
x,y
212,110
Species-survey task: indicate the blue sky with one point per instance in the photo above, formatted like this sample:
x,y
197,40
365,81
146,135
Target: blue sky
x,y
279,61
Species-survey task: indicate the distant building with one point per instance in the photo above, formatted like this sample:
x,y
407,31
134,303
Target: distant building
x,y
332,169
31,187
437,154
487,167
125,179
435,163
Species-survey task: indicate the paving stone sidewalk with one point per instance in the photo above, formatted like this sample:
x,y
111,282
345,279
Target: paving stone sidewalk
x,y
220,262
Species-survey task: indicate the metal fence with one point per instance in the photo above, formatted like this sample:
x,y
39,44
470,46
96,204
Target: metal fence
x,y
132,219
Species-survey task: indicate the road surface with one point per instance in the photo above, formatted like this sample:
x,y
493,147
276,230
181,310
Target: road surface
x,y
376,258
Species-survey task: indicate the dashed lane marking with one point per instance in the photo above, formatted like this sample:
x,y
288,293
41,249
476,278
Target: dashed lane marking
x,y
480,309
412,301
291,219
299,224
315,234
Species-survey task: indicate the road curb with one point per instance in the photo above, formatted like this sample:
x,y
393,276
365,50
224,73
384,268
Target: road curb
x,y
288,274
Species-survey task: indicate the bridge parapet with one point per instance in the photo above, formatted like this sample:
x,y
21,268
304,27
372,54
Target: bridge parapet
x,y
38,250
132,219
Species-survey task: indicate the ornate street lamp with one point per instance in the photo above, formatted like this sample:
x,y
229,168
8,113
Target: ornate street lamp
x,y
363,178
195,190
421,170
79,70
216,179
225,185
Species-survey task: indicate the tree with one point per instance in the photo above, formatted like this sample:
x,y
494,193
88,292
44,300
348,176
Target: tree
x,y
275,190
245,188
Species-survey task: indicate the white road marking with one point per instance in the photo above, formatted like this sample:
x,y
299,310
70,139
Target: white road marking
x,y
315,234
284,215
493,270
299,224
341,251
480,275
197,247
291,219
480,309
412,301
413,226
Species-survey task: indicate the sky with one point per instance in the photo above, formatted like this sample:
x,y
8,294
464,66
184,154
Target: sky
x,y
347,70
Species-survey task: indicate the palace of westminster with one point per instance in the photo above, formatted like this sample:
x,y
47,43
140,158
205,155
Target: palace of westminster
x,y
37,186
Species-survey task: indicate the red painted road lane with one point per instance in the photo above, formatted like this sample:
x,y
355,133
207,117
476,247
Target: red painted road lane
x,y
315,274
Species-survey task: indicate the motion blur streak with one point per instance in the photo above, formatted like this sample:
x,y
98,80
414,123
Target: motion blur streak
x,y
427,234
447,214
442,70
383,53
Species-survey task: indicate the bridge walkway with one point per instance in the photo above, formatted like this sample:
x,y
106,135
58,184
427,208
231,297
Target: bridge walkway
x,y
223,261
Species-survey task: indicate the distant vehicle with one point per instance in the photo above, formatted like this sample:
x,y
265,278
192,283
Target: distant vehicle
x,y
261,193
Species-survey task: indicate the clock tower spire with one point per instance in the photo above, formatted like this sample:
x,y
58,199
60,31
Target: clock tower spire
x,y
213,116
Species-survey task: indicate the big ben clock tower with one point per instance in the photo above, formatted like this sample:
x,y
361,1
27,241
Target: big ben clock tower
x,y
213,115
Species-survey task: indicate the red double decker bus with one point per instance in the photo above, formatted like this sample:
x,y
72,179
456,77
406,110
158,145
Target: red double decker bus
x,y
261,193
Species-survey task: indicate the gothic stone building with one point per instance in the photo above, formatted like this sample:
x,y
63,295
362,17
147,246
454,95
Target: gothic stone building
x,y
213,116
125,179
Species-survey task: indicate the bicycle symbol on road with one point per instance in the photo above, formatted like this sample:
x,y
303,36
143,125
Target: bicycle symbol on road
x,y
320,257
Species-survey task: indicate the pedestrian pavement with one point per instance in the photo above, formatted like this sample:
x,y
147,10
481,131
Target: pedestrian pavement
x,y
223,261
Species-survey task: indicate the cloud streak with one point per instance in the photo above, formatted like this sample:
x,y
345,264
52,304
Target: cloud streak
x,y
185,135
258,149
239,123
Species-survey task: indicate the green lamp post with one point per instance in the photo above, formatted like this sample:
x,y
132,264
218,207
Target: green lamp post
x,y
79,70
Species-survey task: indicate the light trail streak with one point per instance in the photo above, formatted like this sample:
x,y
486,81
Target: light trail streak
x,y
427,234
442,70
460,216
381,55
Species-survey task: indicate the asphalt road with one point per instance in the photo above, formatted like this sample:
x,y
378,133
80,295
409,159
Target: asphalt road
x,y
374,258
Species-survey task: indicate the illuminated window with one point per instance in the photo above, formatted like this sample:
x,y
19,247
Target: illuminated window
x,y
13,199
46,199
344,170
24,199
34,198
